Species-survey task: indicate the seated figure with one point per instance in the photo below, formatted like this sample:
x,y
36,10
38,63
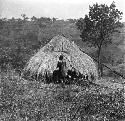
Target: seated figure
x,y
60,73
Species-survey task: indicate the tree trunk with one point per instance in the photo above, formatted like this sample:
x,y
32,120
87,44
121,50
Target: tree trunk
x,y
100,67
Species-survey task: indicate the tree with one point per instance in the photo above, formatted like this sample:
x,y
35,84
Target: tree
x,y
54,19
98,26
33,18
25,18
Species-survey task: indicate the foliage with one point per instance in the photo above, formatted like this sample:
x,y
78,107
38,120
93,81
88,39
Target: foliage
x,y
98,26
101,22
20,38
31,100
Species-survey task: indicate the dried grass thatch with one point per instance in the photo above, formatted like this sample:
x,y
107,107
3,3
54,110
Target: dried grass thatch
x,y
45,60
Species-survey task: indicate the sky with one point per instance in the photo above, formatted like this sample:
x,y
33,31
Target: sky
x,y
62,9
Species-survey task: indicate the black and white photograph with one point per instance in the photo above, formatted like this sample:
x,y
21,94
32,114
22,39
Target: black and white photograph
x,y
62,60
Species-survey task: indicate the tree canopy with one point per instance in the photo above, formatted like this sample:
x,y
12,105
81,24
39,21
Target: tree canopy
x,y
98,26
100,23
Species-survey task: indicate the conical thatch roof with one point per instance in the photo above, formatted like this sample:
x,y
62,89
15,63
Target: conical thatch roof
x,y
47,57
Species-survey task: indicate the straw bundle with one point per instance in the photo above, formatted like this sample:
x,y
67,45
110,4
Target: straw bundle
x,y
46,59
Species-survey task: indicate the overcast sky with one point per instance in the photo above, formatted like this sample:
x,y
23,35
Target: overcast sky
x,y
62,9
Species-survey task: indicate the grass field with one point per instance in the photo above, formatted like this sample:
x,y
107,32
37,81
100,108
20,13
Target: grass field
x,y
24,100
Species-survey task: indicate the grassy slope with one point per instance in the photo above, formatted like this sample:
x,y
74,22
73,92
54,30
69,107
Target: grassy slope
x,y
22,99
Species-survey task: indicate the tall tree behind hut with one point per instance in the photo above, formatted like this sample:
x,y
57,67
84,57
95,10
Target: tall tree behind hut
x,y
98,26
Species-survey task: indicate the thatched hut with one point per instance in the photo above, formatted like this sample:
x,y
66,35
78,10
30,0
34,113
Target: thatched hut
x,y
46,59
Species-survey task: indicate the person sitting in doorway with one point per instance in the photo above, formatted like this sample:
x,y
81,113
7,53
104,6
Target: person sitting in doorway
x,y
61,66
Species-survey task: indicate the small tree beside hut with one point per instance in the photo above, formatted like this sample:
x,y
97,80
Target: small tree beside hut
x,y
98,26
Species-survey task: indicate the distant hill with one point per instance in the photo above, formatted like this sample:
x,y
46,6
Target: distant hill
x,y
20,39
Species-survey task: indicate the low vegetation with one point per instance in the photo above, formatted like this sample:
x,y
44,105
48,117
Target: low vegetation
x,y
23,100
